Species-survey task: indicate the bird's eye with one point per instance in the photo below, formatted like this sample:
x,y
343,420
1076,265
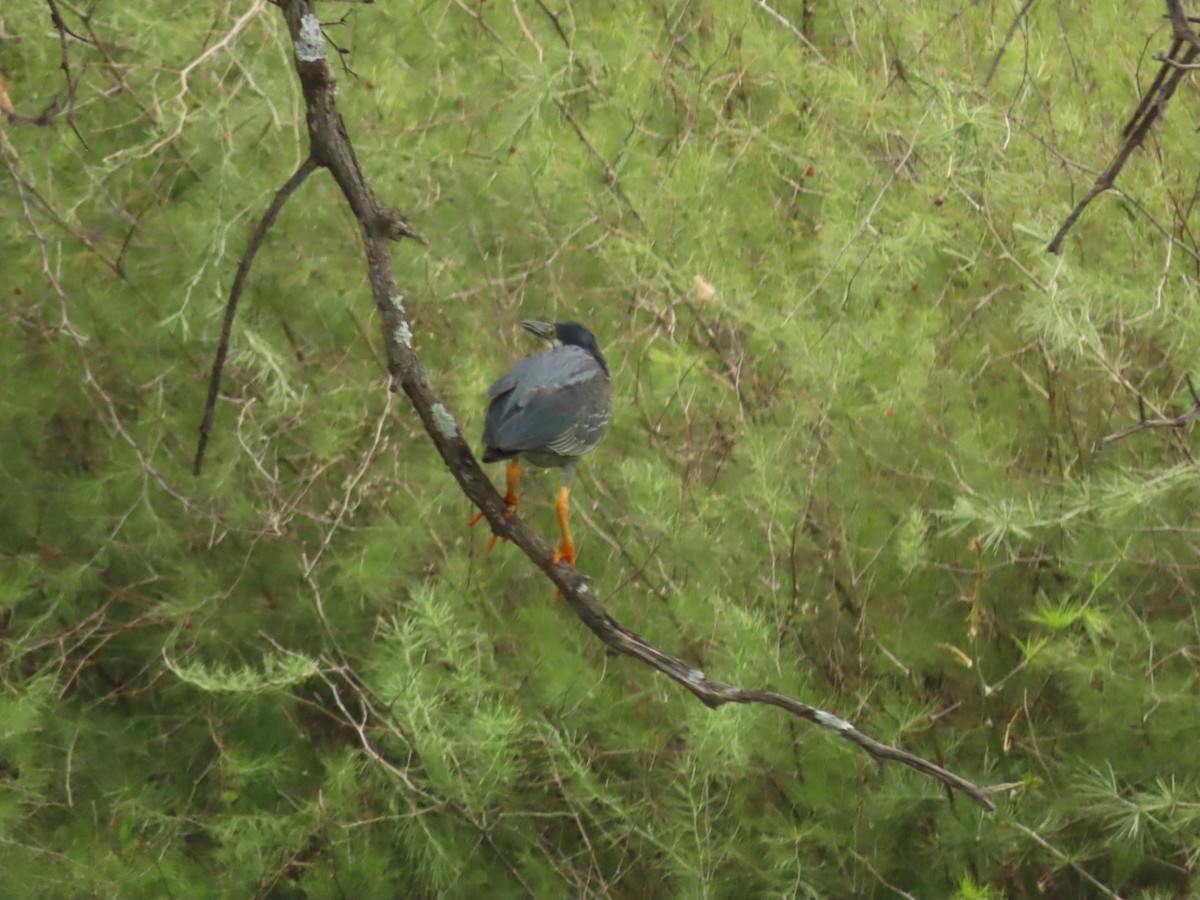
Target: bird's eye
x,y
553,333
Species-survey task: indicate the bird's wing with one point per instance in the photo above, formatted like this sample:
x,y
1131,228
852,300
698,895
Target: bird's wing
x,y
548,400
504,383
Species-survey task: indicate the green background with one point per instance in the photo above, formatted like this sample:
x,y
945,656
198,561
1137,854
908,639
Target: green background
x,y
866,472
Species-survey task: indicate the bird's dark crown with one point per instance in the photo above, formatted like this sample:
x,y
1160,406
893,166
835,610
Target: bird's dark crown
x,y
573,334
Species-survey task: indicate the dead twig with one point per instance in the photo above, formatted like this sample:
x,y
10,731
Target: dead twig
x,y
1008,36
305,169
64,35
1144,423
1174,67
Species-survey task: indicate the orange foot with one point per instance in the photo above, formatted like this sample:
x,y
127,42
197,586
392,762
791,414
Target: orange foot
x,y
510,498
509,512
566,550
563,553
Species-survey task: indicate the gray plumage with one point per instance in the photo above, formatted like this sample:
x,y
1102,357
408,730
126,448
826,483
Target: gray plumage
x,y
552,407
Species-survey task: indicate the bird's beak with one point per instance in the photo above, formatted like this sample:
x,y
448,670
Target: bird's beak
x,y
544,330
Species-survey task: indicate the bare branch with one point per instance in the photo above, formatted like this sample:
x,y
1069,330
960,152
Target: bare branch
x,y
1174,68
1187,67
331,148
65,34
1144,423
553,17
305,169
1008,36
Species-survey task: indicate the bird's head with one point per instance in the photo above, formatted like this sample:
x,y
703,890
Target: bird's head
x,y
567,334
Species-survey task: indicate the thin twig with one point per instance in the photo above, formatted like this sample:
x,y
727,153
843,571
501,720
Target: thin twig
x,y
1008,36
235,293
1185,67
1151,94
1151,107
611,178
1163,422
64,33
528,34
1058,854
787,23
226,41
553,17
865,222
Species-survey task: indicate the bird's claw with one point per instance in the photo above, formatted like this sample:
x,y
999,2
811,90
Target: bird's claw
x,y
509,511
562,553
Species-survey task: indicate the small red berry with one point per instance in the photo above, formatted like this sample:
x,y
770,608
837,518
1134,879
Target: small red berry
x,y
808,173
914,287
938,201
890,412
187,623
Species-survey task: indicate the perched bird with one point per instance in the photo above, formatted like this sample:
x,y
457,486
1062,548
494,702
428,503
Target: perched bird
x,y
550,409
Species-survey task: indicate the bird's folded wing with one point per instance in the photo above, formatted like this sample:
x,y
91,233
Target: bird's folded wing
x,y
554,400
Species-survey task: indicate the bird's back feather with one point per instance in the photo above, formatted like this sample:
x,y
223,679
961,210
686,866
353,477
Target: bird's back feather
x,y
553,404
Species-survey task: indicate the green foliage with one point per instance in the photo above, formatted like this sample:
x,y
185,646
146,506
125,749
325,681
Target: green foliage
x,y
277,673
857,457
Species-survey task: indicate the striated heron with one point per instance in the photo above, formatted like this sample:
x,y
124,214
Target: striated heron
x,y
550,409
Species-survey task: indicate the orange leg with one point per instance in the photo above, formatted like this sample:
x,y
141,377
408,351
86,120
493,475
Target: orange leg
x,y
566,550
510,497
